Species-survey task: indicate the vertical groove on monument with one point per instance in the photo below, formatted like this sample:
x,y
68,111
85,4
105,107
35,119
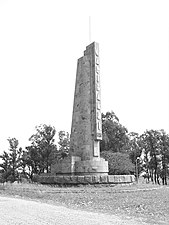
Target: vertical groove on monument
x,y
86,131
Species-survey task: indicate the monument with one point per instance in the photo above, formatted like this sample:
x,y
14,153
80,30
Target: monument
x,y
86,130
84,164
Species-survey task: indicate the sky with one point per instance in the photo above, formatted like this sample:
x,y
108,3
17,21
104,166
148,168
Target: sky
x,y
40,42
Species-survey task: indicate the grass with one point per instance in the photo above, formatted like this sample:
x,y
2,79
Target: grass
x,y
148,202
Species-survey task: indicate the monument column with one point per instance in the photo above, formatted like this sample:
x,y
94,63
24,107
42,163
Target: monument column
x,y
86,131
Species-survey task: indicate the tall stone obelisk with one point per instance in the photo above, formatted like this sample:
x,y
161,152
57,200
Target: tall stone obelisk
x,y
86,130
84,164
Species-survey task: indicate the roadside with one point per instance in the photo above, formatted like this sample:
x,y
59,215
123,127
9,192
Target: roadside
x,y
146,203
24,212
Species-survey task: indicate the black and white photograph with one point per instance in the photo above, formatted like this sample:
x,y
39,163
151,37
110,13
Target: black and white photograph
x,y
84,112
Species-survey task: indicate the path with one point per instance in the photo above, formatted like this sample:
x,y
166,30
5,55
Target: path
x,y
24,212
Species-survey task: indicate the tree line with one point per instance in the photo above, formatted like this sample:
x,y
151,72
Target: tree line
x,y
127,153
18,163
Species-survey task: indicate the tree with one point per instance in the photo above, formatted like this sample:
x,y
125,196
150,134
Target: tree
x,y
5,165
152,154
114,134
31,161
119,163
64,144
135,146
11,162
135,150
164,144
15,155
40,154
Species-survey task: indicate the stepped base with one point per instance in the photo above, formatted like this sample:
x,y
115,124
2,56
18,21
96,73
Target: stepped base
x,y
86,179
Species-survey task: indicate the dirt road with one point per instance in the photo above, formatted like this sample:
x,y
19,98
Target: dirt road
x,y
14,211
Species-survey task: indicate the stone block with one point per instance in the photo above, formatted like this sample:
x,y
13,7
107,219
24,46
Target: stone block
x,y
104,179
46,179
127,179
116,179
80,179
58,180
88,179
111,179
120,179
51,179
73,179
95,179
132,178
67,179
124,179
92,167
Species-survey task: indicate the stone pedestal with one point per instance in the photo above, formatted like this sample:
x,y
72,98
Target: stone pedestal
x,y
91,167
70,167
87,167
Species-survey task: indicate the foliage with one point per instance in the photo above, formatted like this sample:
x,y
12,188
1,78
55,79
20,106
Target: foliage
x,y
164,143
64,144
11,161
119,163
2,180
43,151
36,158
135,146
135,151
40,154
120,148
155,145
114,134
150,149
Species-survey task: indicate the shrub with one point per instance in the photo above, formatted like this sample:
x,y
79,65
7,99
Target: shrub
x,y
119,163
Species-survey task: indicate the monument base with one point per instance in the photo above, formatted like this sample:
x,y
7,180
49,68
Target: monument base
x,y
91,167
73,171
74,166
86,179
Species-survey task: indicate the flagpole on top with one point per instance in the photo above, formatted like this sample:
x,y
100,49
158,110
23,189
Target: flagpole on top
x,y
90,29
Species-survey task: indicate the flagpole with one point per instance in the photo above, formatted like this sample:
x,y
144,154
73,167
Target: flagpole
x,y
90,29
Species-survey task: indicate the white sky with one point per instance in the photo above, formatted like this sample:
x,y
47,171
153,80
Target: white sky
x,y
40,42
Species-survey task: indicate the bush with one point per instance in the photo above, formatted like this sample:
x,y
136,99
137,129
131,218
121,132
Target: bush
x,y
119,163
